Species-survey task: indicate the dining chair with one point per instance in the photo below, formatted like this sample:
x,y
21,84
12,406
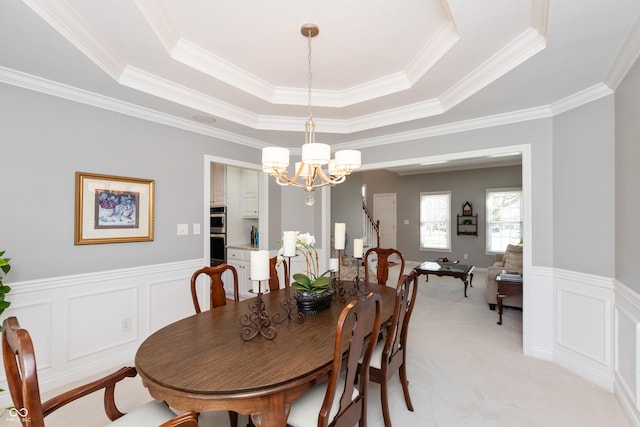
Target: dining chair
x,y
217,296
382,266
22,377
390,355
276,271
341,402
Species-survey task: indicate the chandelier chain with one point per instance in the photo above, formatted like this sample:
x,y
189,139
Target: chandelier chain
x,y
310,75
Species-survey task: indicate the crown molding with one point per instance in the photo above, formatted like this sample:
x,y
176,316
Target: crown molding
x,y
30,82
441,43
154,85
585,96
159,22
627,57
449,128
72,27
515,53
194,56
70,93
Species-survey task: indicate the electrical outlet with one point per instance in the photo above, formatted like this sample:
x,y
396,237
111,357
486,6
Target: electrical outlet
x,y
183,229
466,256
196,228
126,324
406,222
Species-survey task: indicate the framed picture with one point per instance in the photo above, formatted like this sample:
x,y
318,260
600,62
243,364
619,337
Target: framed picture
x,y
113,209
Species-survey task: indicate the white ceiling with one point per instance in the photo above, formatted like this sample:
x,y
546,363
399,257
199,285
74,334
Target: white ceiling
x,y
382,71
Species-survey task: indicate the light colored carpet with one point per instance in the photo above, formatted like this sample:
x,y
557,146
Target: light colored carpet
x,y
464,370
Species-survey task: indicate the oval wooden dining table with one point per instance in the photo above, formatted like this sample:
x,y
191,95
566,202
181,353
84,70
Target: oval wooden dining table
x,y
201,363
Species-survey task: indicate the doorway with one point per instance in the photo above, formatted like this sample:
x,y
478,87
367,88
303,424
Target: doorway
x,y
384,209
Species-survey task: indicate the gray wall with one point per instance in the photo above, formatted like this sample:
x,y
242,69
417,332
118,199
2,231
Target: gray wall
x,y
346,206
467,185
538,134
627,177
583,198
45,140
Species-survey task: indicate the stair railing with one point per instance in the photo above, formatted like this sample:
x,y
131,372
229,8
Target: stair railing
x,y
371,228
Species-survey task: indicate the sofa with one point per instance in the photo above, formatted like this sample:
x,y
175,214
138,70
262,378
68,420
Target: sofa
x,y
511,259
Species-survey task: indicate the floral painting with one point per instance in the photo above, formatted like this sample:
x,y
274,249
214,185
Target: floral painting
x,y
113,209
116,209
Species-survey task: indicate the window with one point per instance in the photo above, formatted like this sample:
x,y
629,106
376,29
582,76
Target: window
x,y
435,223
504,218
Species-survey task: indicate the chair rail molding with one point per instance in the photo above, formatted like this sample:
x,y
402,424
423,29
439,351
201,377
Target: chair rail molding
x,y
86,324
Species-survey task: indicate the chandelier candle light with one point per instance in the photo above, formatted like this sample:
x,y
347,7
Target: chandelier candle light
x,y
309,173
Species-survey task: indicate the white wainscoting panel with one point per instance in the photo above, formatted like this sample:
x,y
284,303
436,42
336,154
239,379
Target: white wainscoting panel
x,y
584,325
539,294
99,321
36,316
627,350
170,300
89,324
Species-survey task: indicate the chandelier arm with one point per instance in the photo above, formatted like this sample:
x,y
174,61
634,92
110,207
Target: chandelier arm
x,y
332,181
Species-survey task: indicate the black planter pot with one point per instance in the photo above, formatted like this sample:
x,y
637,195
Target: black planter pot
x,y
311,303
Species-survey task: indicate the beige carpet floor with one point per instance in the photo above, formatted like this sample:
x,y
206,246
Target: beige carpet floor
x,y
464,370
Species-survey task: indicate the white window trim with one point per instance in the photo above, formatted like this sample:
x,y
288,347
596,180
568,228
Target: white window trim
x,y
487,214
448,248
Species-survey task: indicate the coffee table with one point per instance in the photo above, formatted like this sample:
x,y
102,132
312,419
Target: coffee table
x,y
461,271
507,286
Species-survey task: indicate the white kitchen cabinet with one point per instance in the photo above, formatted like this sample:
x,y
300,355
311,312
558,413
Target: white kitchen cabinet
x,y
249,200
241,261
218,184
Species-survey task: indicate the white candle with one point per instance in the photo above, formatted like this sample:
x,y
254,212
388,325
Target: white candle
x,y
358,245
333,264
339,235
289,243
259,266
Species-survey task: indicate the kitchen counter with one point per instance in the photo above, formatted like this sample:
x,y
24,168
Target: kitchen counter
x,y
244,246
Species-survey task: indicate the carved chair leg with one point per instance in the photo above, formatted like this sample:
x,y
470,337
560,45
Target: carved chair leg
x,y
405,387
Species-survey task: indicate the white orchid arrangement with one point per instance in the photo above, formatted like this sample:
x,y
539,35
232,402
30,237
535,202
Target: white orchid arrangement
x,y
310,282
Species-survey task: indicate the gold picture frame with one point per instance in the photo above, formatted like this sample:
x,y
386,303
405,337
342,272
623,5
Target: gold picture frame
x,y
113,209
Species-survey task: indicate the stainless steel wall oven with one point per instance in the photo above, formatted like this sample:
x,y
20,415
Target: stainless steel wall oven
x,y
218,235
218,219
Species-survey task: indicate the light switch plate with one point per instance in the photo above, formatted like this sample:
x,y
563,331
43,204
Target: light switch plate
x,y
183,229
406,222
196,228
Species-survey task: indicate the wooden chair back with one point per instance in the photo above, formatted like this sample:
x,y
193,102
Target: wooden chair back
x,y
276,272
382,268
358,322
217,296
394,351
22,376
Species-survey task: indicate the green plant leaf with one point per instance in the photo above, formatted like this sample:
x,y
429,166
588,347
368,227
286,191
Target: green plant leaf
x,y
322,282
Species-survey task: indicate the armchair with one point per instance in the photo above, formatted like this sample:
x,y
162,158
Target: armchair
x,y
510,260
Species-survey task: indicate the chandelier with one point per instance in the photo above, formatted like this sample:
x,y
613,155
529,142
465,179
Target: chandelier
x,y
310,173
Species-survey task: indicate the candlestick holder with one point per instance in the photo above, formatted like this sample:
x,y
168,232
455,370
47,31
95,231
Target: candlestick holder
x,y
288,304
258,320
359,287
339,291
